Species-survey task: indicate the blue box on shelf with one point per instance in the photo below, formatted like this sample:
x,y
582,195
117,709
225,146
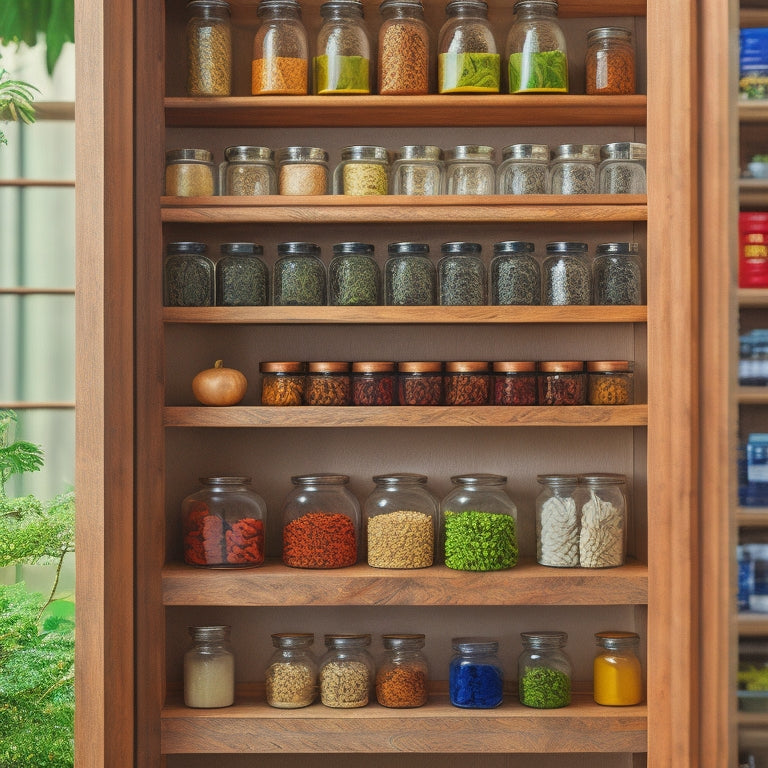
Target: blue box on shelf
x,y
753,63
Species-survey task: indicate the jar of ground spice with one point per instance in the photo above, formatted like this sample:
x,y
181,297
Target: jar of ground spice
x,y
566,275
573,169
188,276
363,170
373,383
302,171
282,383
409,275
354,278
622,169
461,275
403,49
609,62
327,383
475,673
298,277
190,173
616,274
280,55
523,170
209,48
321,522
514,382
562,382
242,278
418,170
400,520
420,383
515,274
602,507
557,521
342,63
544,670
617,672
403,673
470,170
347,672
223,524
291,677
610,382
248,171
467,383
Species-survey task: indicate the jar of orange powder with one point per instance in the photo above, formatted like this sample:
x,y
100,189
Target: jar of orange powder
x,y
618,676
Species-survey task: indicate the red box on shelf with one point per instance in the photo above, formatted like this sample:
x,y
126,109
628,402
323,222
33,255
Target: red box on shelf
x,y
753,249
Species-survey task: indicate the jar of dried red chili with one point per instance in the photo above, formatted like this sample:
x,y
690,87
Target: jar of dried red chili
x,y
562,382
514,382
223,524
420,383
327,383
321,522
373,383
467,383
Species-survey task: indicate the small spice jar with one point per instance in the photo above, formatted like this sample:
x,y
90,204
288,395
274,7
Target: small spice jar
x,y
209,48
291,677
420,382
468,60
470,170
302,171
353,276
223,524
409,275
343,60
400,519
402,674
514,382
327,383
248,171
461,275
610,382
573,169
479,524
467,383
536,50
544,670
321,522
282,383
189,276
557,521
298,277
617,673
189,173
373,383
475,674
616,274
562,382
403,49
566,275
515,274
242,278
347,672
280,54
209,668
523,170
609,62
622,169
602,504
363,170
418,170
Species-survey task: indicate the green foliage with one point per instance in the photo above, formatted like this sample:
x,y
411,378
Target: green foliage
x,y
18,456
15,101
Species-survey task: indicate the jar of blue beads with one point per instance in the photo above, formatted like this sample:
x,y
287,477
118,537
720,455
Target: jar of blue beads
x,y
475,676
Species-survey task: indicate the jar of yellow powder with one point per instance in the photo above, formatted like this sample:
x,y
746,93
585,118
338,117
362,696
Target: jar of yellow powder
x,y
618,676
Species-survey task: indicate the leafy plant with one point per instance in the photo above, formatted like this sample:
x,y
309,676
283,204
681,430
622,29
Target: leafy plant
x,y
15,101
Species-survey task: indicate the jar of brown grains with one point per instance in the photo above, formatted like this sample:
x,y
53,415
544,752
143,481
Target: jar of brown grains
x,y
514,382
373,383
327,383
467,383
402,674
420,382
302,171
610,382
610,62
248,171
189,173
404,50
347,671
282,383
291,677
280,52
209,48
562,382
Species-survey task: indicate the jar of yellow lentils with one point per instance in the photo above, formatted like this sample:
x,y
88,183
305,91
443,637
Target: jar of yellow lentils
x,y
610,382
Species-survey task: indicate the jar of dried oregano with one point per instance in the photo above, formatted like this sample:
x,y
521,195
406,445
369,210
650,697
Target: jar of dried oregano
x,y
209,49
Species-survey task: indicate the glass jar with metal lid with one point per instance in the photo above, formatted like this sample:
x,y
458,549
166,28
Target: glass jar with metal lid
x,y
403,48
291,676
342,63
420,382
523,170
622,169
242,278
557,521
418,170
409,275
610,382
573,169
475,673
190,173
363,170
566,275
461,275
327,383
470,170
468,60
188,276
298,277
279,65
248,171
373,383
602,503
282,382
617,673
467,383
544,670
302,171
353,276
617,274
515,274
209,668
402,675
609,62
209,48
347,672
514,382
562,382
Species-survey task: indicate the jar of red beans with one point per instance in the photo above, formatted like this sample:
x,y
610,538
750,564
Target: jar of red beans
x,y
514,382
282,383
402,674
562,382
467,383
373,383
327,383
420,383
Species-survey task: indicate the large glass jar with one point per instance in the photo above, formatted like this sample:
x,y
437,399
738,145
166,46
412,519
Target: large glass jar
x,y
562,382
622,169
544,670
536,51
409,275
373,382
573,169
190,173
475,674
617,274
566,275
291,677
617,673
557,521
279,64
347,672
248,171
523,170
363,170
602,503
282,383
467,382
354,278
468,60
188,276
404,50
321,522
420,382
298,277
223,524
478,524
514,382
209,48
470,170
400,519
403,673
242,278
418,170
461,275
327,383
609,62
209,668
342,63
515,274
302,171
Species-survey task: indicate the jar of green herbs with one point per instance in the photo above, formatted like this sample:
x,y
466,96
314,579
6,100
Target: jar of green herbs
x,y
342,63
353,276
298,277
242,278
544,670
515,274
461,275
188,276
409,275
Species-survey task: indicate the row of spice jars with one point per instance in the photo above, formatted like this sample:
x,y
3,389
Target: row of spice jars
x,y
468,57
616,168
462,383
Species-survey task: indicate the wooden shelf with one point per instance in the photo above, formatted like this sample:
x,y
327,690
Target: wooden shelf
x,y
753,193
755,111
755,298
752,395
752,517
752,624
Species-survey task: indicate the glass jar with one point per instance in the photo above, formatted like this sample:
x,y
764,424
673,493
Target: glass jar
x,y
400,519
409,275
469,170
544,670
420,383
467,383
616,274
514,382
353,276
536,51
223,524
302,171
373,383
347,672
475,674
280,53
562,382
566,275
461,275
523,170
327,383
321,522
479,522
291,677
298,277
363,170
242,278
622,169
609,62
343,60
468,60
610,382
557,521
209,668
602,506
617,674
248,171
282,383
189,276
418,170
573,169
403,50
403,673
189,173
209,49
515,274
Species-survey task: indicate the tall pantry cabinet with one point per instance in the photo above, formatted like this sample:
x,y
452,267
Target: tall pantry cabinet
x,y
142,442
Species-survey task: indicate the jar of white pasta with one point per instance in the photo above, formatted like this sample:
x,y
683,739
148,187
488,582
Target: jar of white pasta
x,y
557,521
602,503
